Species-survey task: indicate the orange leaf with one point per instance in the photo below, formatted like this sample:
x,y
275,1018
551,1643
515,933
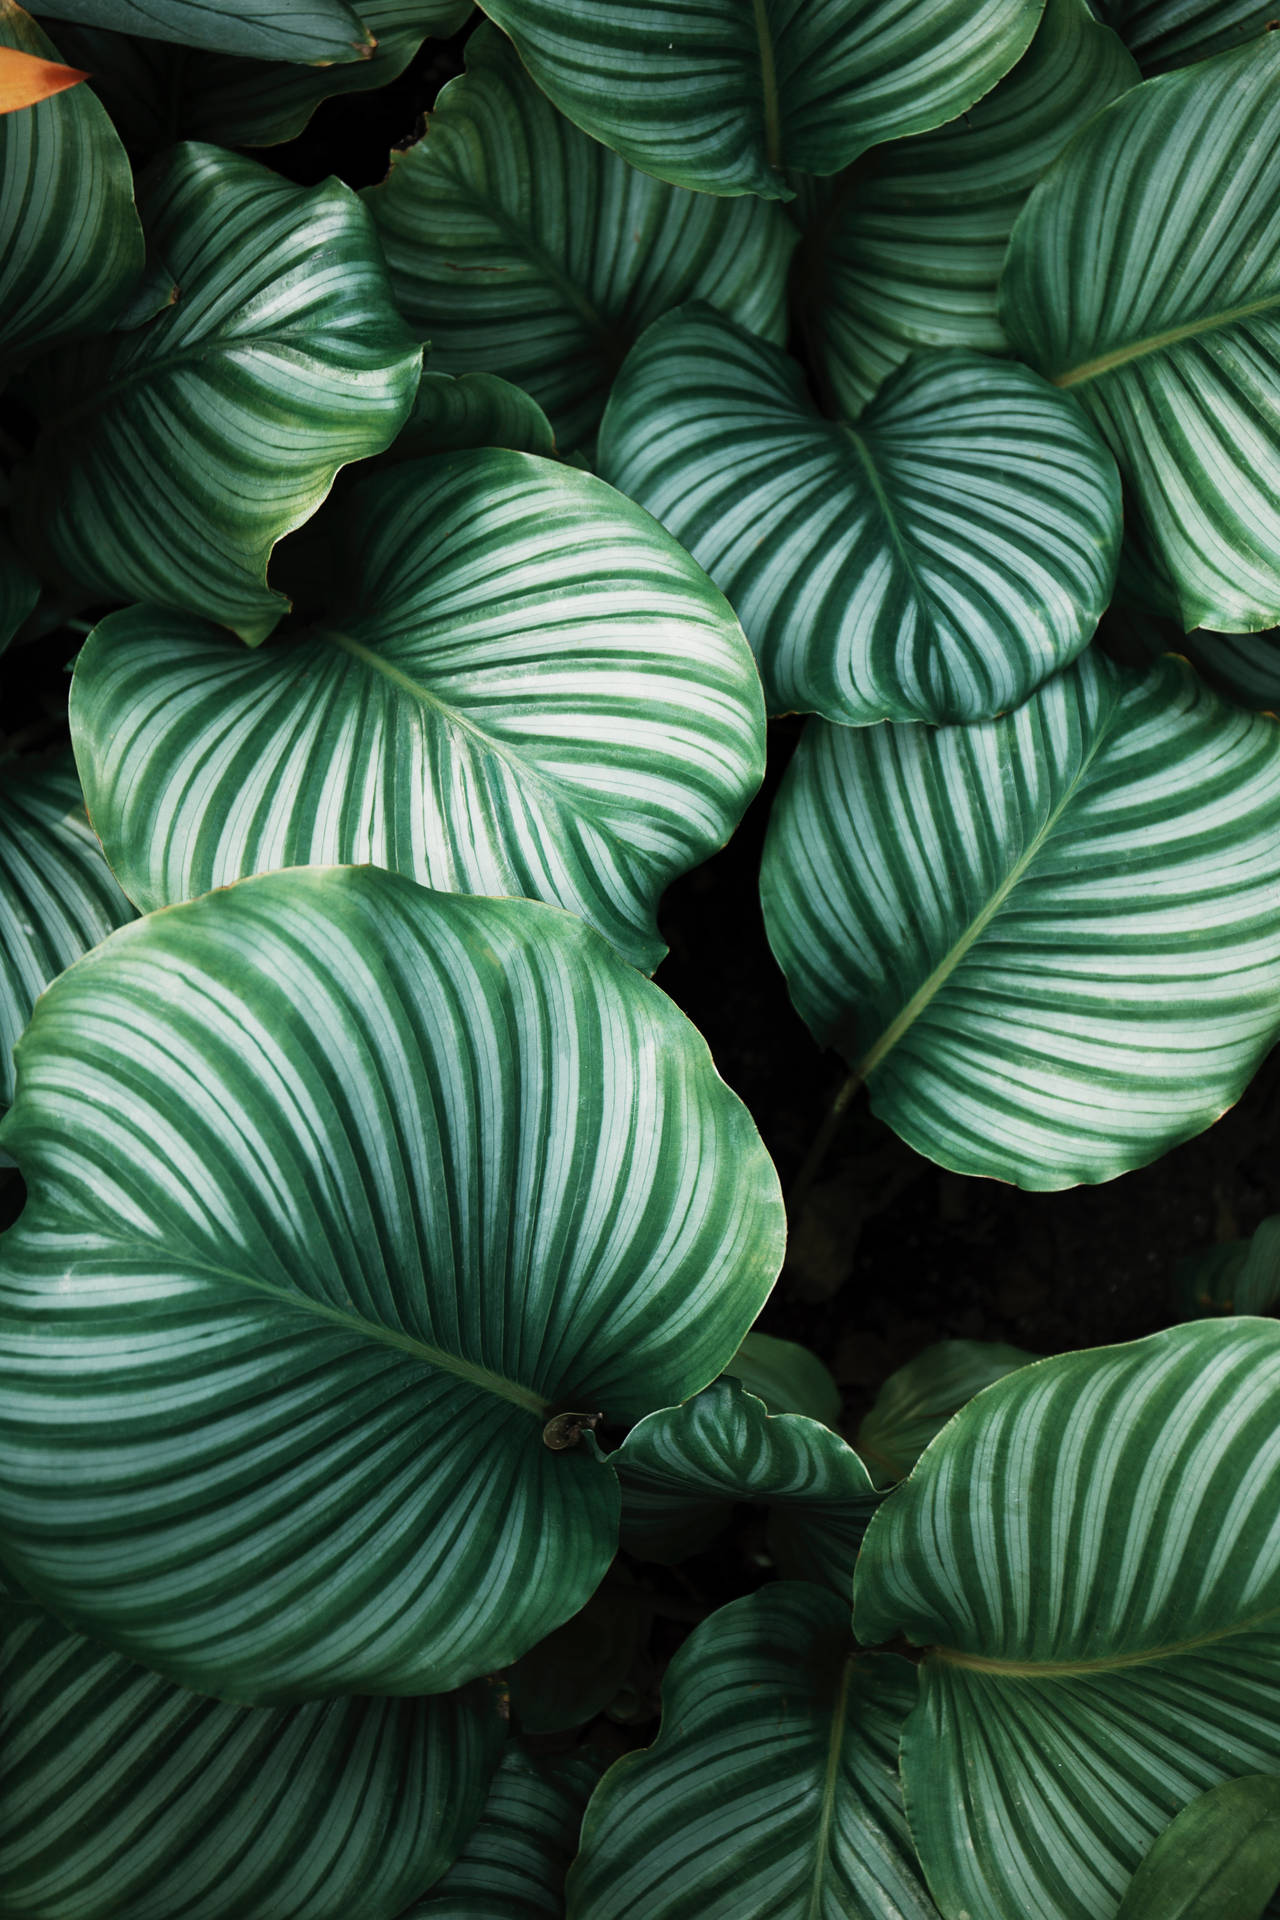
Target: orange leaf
x,y
25,78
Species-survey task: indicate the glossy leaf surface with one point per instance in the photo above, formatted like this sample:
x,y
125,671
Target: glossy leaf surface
x,y
1090,1557
935,562
1174,33
905,250
454,411
515,1862
1046,943
339,1191
772,1789
1144,277
122,1794
787,1377
916,1402
522,248
683,1470
525,687
720,97
174,456
1218,1860
317,30
70,241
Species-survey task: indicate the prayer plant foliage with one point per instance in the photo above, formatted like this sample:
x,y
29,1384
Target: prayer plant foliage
x,y
390,1248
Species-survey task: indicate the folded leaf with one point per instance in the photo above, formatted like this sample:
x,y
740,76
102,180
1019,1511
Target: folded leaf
x,y
720,97
523,687
320,30
916,1402
515,1862
121,1793
174,457
936,561
1218,1860
1047,943
1144,277
521,247
1090,1558
350,1206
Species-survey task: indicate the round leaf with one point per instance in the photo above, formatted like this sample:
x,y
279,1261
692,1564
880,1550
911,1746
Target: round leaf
x,y
719,96
525,687
1144,276
1089,1554
521,247
1219,1860
515,1862
319,30
174,456
122,1794
340,1191
916,1402
773,1785
1048,943
935,562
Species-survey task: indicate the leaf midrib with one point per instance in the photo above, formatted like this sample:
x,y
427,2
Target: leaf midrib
x,y
165,364
1104,1663
830,1781
769,84
1154,342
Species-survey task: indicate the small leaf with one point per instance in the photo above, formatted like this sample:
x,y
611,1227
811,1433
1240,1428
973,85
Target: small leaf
x,y
1240,1277
26,79
515,1862
453,412
786,1377
1218,1860
916,1402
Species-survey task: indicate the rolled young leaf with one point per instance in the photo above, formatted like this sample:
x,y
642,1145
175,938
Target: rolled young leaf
x,y
173,457
1089,1556
936,561
1144,277
350,1206
720,97
522,248
523,687
916,1402
515,1862
319,30
121,1793
1218,1860
1047,943
772,1788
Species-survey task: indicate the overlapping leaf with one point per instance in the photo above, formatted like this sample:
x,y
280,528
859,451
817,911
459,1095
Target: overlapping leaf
x,y
906,249
19,590
1049,944
524,687
175,455
70,241
720,97
340,1194
935,562
121,1793
1089,1555
521,247
515,1862
1239,1276
786,1377
453,411
1173,33
772,1789
916,1402
1144,276
1218,1860
319,30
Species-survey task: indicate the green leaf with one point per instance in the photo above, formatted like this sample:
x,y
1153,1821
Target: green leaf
x,y
57,896
318,30
1243,666
1090,1557
1144,276
1173,33
916,1402
523,687
1218,1860
70,241
935,562
523,248
451,412
788,1378
719,96
19,590
905,250
772,1788
515,1862
157,92
579,1670
684,1469
1046,943
340,1193
173,457
1242,1276
122,1794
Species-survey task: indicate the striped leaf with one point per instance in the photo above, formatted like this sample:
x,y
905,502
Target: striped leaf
x,y
1089,1556
1240,1276
916,1402
174,456
906,250
348,1204
1173,33
719,96
318,30
522,687
122,1794
788,1378
684,1469
772,1789
1048,944
57,896
1144,277
1218,1860
453,411
1243,666
70,242
935,562
522,248
515,1862
19,590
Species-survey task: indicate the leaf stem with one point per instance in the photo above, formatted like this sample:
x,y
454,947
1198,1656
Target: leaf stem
x,y
769,82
